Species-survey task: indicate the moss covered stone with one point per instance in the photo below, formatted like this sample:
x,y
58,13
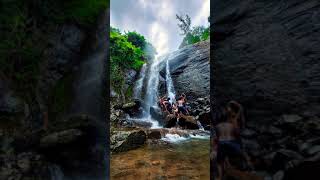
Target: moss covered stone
x,y
61,96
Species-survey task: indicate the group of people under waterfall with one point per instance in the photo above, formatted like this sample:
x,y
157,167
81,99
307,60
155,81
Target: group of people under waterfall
x,y
227,144
178,107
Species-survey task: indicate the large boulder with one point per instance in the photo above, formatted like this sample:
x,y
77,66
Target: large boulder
x,y
133,108
259,50
26,165
188,122
157,114
60,138
266,77
170,121
190,70
127,140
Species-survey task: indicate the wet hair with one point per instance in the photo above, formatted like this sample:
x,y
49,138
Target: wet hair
x,y
183,95
234,106
237,108
168,99
179,98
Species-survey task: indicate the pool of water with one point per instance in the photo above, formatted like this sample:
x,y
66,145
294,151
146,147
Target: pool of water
x,y
161,161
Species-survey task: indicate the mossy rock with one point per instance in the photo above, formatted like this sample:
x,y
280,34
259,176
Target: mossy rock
x,y
61,97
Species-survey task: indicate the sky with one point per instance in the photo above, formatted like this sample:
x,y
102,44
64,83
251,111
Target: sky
x,y
156,19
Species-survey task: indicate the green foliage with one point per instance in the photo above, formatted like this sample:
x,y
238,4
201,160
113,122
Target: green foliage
x,y
82,11
60,97
192,35
24,28
129,92
125,54
20,47
136,39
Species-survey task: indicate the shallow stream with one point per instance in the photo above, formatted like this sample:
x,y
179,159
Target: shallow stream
x,y
184,159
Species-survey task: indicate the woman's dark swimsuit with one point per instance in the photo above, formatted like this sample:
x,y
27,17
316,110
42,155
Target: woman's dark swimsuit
x,y
182,109
228,148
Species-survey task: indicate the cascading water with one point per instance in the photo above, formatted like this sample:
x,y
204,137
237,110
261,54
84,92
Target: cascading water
x,y
170,88
139,83
55,172
150,99
200,125
152,86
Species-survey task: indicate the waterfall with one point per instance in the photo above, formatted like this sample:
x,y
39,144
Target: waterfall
x,y
169,83
139,83
55,172
200,125
151,96
152,86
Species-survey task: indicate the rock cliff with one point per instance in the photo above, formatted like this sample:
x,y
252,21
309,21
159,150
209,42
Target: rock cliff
x,y
57,124
266,56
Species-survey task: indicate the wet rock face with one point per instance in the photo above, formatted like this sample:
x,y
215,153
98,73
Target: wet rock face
x,y
133,108
27,165
265,55
190,70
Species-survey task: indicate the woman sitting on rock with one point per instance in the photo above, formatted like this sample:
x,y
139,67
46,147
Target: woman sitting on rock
x,y
168,106
161,103
182,108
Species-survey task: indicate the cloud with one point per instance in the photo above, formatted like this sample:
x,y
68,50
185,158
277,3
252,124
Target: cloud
x,y
202,16
155,19
159,38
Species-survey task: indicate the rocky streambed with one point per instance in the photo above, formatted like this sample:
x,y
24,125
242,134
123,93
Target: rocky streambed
x,y
140,151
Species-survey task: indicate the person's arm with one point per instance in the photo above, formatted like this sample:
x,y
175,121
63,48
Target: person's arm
x,y
214,142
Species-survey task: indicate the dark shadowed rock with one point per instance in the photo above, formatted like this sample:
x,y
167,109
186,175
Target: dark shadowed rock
x,y
190,70
155,133
133,108
188,122
60,138
127,140
266,77
157,114
170,121
259,50
283,156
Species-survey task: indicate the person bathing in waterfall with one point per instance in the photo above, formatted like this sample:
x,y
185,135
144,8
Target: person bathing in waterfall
x,y
230,124
226,143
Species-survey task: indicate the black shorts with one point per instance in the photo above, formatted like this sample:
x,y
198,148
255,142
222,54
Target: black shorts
x,y
230,148
182,109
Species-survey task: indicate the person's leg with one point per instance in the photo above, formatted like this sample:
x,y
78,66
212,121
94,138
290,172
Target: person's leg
x,y
220,159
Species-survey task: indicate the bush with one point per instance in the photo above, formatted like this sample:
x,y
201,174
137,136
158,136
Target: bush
x,y
198,33
136,39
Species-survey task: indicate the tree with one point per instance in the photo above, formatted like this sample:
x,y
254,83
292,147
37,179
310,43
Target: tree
x,y
136,39
185,23
194,34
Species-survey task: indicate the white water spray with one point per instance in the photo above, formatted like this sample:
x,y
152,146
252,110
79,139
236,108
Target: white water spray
x,y
139,83
152,86
56,172
200,125
170,88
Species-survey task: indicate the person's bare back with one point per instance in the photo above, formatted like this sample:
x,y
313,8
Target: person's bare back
x,y
225,131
